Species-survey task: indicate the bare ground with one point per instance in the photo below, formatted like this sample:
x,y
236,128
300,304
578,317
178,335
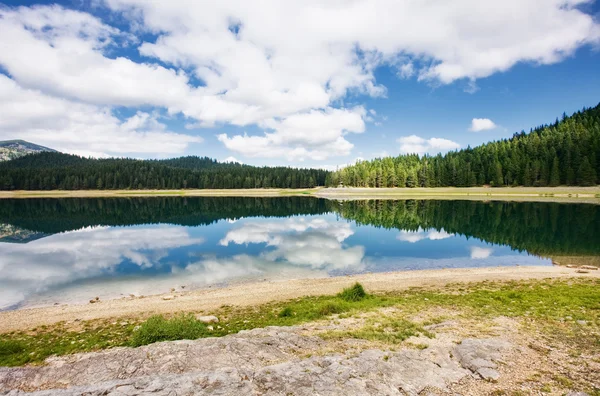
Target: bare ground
x,y
461,356
256,293
537,194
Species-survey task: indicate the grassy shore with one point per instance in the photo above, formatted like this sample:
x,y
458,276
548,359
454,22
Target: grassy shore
x,y
555,308
559,194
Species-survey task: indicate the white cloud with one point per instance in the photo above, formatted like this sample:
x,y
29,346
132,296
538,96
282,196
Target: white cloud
x,y
315,135
481,124
406,70
414,144
285,65
82,129
479,253
420,234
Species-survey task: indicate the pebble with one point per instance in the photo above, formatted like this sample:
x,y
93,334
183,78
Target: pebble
x,y
169,297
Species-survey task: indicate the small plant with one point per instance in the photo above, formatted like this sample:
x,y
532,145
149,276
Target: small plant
x,y
286,312
353,293
157,328
11,347
330,308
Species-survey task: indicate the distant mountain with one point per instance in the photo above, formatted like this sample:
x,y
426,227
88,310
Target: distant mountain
x,y
11,149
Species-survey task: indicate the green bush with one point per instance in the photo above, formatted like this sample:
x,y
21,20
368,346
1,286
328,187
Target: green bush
x,y
353,293
330,308
157,328
11,347
286,312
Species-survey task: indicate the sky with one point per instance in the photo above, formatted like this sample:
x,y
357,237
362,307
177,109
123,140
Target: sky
x,y
307,83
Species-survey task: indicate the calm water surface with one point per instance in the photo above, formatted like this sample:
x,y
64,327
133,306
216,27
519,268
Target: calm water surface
x,y
71,250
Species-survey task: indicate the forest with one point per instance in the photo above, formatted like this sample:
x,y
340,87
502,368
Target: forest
x,y
52,171
566,152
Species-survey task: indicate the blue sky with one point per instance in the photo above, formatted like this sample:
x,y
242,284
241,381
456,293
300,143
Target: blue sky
x,y
299,83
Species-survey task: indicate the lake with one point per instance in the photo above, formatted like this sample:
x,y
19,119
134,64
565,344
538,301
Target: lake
x,y
55,251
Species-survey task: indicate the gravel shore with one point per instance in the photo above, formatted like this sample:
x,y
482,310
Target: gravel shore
x,y
255,293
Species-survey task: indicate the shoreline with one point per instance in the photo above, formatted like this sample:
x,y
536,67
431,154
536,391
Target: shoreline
x,y
262,292
524,194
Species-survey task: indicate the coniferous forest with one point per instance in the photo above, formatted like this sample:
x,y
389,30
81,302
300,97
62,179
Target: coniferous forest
x,y
51,171
566,152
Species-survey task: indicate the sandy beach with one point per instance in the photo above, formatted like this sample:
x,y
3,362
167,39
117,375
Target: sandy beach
x,y
255,293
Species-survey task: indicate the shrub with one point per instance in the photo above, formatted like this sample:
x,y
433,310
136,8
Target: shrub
x,y
330,308
157,328
11,347
286,312
353,293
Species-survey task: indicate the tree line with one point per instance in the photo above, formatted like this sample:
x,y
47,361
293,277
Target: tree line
x,y
51,171
566,152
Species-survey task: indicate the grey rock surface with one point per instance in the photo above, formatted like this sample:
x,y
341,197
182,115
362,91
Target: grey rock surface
x,y
480,356
270,361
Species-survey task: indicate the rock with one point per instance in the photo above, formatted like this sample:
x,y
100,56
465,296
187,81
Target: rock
x,y
207,319
589,267
480,356
168,297
573,393
172,290
582,271
572,266
582,322
540,348
209,328
260,361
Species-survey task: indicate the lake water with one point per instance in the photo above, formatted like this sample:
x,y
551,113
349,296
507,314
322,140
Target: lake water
x,y
71,250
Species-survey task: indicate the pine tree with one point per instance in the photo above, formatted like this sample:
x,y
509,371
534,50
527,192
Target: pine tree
x,y
554,173
586,176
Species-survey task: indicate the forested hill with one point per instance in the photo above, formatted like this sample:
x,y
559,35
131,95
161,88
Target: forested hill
x,y
49,171
566,152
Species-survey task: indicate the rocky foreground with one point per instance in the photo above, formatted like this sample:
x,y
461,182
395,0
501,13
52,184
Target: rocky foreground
x,y
454,354
262,362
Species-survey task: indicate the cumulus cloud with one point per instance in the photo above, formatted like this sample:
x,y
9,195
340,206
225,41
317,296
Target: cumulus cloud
x,y
481,124
316,135
80,128
414,144
285,67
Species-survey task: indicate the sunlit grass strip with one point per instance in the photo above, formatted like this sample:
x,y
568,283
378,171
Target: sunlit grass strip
x,y
554,305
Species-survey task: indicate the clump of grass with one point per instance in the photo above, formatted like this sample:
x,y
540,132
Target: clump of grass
x,y
386,329
157,328
11,347
353,293
286,312
330,308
